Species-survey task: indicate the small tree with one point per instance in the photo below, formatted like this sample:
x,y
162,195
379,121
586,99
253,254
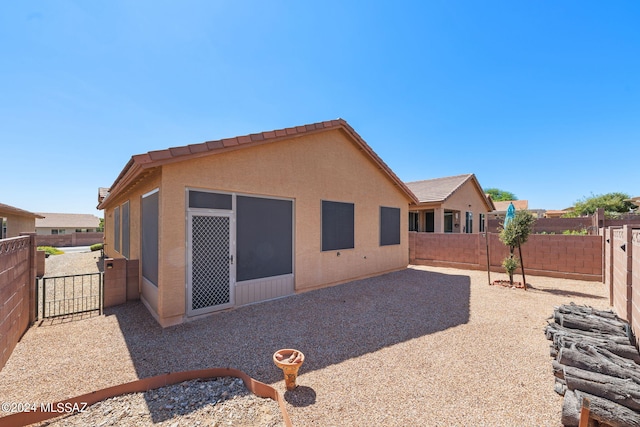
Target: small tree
x,y
516,233
612,203
510,265
498,195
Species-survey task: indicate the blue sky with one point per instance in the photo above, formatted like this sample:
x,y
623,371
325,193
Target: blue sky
x,y
537,97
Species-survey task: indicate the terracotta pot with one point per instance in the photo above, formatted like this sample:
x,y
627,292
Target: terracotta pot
x,y
290,369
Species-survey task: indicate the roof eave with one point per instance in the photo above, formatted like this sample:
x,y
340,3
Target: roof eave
x,y
153,159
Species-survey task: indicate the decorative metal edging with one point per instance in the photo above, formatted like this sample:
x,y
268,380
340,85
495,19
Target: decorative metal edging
x,y
258,388
14,244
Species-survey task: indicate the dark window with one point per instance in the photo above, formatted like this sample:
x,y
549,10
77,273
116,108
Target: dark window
x,y
337,225
468,226
448,222
264,237
430,218
125,230
116,228
207,200
389,226
414,221
481,222
150,210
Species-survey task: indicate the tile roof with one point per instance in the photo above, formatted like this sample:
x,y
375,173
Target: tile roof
x,y
518,204
437,189
102,194
10,210
66,220
140,163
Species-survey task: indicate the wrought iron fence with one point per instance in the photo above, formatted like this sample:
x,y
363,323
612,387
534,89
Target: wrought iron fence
x,y
67,295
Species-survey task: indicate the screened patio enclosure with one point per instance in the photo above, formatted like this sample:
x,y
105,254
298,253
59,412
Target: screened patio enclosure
x,y
239,249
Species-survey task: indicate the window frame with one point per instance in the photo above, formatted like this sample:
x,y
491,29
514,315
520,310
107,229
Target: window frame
x,y
116,229
390,237
331,210
150,270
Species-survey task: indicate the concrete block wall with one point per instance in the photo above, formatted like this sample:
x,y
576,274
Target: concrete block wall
x,y
121,281
459,250
115,281
621,283
578,257
67,240
635,283
549,225
17,291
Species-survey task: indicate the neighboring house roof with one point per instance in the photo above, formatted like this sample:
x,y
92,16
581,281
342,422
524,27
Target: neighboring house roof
x,y
552,213
10,210
102,194
438,190
520,205
65,220
142,164
635,200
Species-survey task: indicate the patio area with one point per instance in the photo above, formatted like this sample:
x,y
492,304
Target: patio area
x,y
422,346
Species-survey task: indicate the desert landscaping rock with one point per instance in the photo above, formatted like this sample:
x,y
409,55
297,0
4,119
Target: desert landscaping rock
x,y
422,346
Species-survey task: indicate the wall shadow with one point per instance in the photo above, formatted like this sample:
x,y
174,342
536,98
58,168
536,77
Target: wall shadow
x,y
566,293
329,325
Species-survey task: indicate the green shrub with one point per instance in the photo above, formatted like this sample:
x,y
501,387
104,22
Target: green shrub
x,y
97,247
50,250
582,232
510,265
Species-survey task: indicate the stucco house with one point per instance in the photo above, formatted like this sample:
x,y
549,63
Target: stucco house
x,y
453,204
240,220
15,221
520,205
66,223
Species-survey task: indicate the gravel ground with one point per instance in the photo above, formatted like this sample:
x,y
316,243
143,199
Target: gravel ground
x,y
422,346
221,401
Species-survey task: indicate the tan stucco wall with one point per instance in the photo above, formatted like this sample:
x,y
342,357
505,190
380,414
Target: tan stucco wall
x,y
323,166
19,224
460,200
134,197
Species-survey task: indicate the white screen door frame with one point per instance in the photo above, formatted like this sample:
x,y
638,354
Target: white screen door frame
x,y
211,261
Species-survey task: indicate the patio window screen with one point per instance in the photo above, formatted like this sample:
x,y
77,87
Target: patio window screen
x,y
430,219
150,210
481,222
468,226
125,230
389,226
264,237
116,228
414,225
208,200
337,225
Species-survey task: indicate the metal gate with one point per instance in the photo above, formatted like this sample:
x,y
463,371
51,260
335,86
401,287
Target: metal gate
x,y
209,270
67,295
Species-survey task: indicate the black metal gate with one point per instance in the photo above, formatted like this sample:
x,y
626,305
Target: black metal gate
x,y
67,295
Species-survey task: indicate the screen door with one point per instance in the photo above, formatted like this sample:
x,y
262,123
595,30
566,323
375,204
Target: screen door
x,y
210,271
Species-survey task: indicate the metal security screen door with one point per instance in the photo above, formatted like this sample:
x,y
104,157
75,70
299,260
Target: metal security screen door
x,y
209,270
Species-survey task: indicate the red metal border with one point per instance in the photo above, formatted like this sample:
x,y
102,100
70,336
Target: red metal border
x,y
256,387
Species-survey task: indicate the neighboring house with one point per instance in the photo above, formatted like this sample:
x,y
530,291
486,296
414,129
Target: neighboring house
x,y
520,205
557,213
63,223
16,221
453,204
236,221
102,194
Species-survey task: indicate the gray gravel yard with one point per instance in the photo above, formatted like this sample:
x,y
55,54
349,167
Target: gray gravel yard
x,y
422,346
